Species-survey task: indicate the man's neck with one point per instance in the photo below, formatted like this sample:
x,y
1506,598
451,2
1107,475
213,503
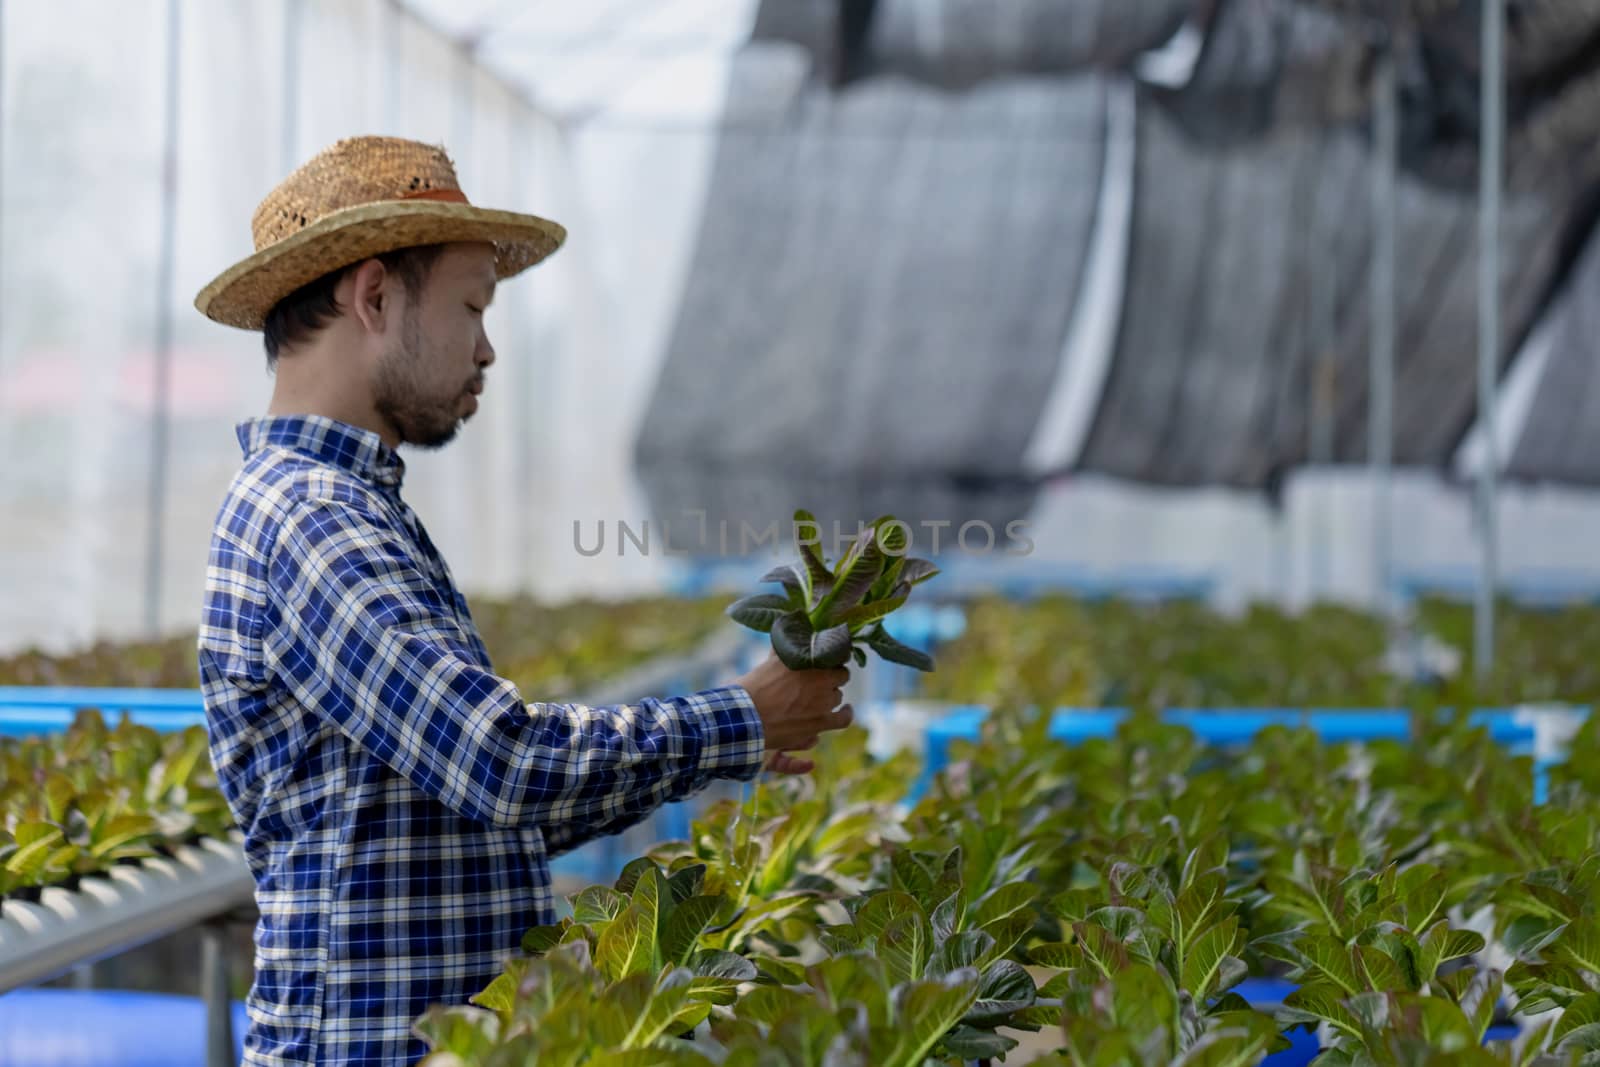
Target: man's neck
x,y
290,401
324,378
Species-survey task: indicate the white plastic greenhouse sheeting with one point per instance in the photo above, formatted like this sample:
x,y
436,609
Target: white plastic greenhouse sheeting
x,y
79,249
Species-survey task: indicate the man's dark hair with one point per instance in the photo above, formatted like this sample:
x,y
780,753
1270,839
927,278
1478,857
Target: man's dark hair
x,y
298,316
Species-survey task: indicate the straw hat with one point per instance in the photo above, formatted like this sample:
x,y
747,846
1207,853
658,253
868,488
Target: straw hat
x,y
358,198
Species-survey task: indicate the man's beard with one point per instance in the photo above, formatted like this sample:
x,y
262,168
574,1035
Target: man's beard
x,y
400,399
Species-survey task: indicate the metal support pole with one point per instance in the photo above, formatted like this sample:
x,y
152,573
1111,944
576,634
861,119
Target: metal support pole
x,y
1283,553
466,99
161,387
218,999
2,136
1324,269
393,48
1490,177
289,148
522,324
1380,385
1323,386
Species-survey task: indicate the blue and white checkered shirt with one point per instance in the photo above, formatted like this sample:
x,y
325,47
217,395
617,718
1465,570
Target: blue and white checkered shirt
x,y
399,801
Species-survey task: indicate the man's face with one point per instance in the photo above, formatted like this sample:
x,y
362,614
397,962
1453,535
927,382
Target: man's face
x,y
426,381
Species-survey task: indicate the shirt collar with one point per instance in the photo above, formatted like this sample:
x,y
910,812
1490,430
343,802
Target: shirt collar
x,y
361,452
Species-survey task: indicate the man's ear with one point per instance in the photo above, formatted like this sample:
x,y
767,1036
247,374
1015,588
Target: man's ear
x,y
369,298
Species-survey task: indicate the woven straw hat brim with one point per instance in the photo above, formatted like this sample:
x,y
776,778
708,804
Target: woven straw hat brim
x,y
243,294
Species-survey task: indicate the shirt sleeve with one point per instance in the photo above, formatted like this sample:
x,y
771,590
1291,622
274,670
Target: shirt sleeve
x,y
359,634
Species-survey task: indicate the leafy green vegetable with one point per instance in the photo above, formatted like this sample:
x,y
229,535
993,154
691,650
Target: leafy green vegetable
x,y
828,615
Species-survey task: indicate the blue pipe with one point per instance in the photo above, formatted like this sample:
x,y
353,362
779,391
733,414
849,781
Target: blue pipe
x,y
1223,726
28,710
105,1028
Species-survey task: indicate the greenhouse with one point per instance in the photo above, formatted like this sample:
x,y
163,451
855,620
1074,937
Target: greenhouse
x,y
799,533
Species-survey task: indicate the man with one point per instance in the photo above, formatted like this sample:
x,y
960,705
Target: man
x,y
399,800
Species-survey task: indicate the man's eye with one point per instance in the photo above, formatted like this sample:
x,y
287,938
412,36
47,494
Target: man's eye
x,y
475,310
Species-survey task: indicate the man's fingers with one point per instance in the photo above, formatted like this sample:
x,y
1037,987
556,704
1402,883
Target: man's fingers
x,y
838,720
783,763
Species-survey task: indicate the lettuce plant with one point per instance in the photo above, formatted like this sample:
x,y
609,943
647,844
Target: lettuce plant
x,y
828,615
649,921
564,1009
917,939
1135,1015
780,854
852,1010
75,804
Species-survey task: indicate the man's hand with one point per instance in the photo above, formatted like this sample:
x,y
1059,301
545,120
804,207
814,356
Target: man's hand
x,y
796,708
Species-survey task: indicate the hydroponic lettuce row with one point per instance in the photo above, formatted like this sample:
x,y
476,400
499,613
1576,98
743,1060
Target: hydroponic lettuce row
x,y
1103,901
1058,652
552,650
77,803
828,615
1540,655
1053,651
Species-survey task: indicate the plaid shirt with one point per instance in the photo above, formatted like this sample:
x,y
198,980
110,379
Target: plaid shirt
x,y
400,802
